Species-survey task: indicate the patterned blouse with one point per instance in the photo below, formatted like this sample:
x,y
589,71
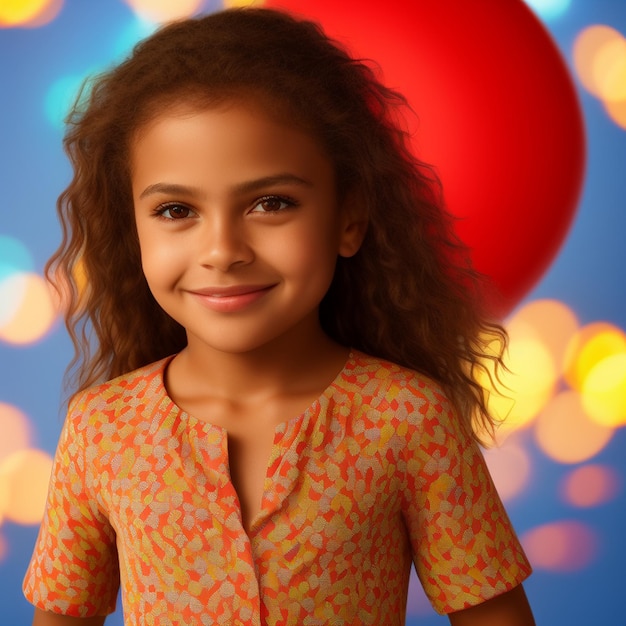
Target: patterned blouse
x,y
374,475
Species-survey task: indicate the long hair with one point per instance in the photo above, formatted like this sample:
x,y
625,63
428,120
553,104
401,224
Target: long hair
x,y
409,295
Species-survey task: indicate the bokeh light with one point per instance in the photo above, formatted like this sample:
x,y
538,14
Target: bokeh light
x,y
510,468
235,4
551,322
28,13
587,47
540,333
588,347
4,497
617,112
549,9
527,385
34,311
24,478
600,62
15,428
60,97
609,70
14,257
590,485
566,433
604,391
563,546
164,10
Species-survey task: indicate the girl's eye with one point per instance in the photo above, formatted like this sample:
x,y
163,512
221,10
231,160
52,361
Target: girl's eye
x,y
174,211
272,204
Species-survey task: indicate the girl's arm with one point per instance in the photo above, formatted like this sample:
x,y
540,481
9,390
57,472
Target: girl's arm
x,y
509,609
46,618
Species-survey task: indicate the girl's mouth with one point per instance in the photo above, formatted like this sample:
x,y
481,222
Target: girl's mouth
x,y
230,299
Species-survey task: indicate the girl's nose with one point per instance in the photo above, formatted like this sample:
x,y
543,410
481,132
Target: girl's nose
x,y
224,244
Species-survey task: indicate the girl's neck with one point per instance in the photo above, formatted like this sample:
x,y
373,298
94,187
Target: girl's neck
x,y
287,366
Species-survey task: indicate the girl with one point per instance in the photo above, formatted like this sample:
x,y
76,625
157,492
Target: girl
x,y
273,267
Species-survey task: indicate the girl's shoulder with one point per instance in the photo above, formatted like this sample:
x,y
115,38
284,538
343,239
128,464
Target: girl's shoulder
x,y
402,402
136,390
378,382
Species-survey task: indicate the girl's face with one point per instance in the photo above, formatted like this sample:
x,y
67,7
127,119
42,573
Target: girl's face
x,y
239,225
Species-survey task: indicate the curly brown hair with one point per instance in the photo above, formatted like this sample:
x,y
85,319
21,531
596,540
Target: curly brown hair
x,y
409,295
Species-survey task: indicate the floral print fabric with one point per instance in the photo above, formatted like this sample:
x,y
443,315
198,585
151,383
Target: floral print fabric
x,y
374,475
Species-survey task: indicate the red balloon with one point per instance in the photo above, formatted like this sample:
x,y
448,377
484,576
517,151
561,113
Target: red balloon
x,y
497,115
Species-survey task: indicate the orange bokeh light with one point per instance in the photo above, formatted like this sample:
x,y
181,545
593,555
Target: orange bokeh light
x,y
617,112
34,314
590,485
592,51
564,546
566,433
609,69
235,4
164,10
549,321
24,478
15,429
4,497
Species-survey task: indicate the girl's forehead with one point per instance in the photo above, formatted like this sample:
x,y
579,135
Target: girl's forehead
x,y
264,113
196,101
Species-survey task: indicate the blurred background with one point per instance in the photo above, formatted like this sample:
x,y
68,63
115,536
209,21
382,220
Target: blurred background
x,y
560,464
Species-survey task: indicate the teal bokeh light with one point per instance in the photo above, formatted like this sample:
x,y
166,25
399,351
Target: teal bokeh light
x,y
549,9
15,261
60,97
14,257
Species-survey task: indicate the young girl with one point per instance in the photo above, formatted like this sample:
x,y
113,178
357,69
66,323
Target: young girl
x,y
275,270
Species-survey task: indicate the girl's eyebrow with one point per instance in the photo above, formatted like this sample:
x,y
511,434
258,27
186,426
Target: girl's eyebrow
x,y
240,188
170,189
266,181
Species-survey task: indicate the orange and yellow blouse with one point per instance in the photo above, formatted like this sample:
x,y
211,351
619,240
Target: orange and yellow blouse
x,y
375,475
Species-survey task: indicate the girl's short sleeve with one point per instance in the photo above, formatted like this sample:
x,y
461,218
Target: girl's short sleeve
x,y
464,547
74,568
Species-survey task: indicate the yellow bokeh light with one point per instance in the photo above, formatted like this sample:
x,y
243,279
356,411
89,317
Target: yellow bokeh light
x,y
617,112
563,546
590,345
525,388
604,391
590,485
609,70
29,13
35,313
566,433
4,497
551,322
510,467
160,11
15,429
24,476
588,49
239,4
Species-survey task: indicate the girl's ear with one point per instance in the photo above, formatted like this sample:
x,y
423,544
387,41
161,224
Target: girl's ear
x,y
353,226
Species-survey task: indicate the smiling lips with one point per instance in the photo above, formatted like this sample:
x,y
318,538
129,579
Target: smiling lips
x,y
230,299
